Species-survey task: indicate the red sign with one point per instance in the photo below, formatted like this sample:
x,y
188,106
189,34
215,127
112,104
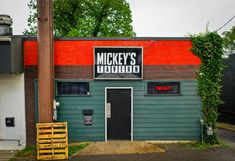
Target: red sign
x,y
163,88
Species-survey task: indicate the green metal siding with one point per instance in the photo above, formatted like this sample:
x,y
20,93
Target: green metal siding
x,y
154,117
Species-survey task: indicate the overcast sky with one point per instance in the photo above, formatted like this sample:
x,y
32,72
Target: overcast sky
x,y
153,17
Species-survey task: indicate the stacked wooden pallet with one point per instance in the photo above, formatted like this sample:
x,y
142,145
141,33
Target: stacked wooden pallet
x,y
52,141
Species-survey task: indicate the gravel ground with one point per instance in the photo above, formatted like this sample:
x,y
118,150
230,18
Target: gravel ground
x,y
120,147
173,152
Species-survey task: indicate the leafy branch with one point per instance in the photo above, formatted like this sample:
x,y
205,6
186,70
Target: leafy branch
x,y
209,47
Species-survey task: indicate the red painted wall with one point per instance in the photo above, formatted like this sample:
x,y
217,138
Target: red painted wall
x,y
80,52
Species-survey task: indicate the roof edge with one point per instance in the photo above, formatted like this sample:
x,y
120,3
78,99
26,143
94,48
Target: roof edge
x,y
34,37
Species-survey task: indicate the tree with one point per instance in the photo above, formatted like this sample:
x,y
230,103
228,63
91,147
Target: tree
x,y
229,40
87,18
209,47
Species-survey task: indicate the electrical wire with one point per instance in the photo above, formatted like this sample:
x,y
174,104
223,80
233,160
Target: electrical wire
x,y
225,24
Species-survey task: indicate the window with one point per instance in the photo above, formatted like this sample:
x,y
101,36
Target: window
x,y
163,88
73,88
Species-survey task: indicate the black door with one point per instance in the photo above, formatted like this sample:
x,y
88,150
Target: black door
x,y
119,122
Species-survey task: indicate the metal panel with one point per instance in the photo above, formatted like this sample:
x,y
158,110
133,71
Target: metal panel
x,y
11,55
5,57
16,55
227,109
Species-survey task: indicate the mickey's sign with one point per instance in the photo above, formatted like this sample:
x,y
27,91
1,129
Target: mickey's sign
x,y
118,62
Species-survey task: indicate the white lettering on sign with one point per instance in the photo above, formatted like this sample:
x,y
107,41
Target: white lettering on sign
x,y
120,59
118,69
107,69
109,59
116,58
136,69
100,69
100,58
125,55
121,69
114,69
128,69
133,60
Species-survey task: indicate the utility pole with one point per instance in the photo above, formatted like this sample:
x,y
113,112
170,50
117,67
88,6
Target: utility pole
x,y
45,61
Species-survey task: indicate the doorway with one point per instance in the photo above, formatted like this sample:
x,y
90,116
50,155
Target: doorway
x,y
119,113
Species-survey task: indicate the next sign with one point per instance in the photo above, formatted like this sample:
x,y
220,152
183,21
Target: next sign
x,y
118,62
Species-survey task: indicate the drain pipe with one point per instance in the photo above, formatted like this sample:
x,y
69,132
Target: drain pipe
x,y
208,128
202,126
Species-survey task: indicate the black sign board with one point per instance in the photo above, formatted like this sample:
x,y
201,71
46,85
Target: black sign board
x,y
164,88
10,121
118,63
88,116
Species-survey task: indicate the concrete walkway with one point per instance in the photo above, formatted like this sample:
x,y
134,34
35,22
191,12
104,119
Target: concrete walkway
x,y
5,155
226,126
120,147
227,136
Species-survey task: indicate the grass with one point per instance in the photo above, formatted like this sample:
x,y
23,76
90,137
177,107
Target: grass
x,y
200,146
74,149
31,152
224,144
28,152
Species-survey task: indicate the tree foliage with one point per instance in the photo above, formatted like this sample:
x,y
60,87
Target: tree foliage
x,y
32,19
229,39
209,47
88,18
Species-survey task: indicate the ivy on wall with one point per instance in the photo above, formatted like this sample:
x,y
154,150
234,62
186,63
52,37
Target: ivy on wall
x,y
209,47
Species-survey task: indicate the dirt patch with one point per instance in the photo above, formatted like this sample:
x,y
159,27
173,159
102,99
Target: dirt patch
x,y
6,154
120,147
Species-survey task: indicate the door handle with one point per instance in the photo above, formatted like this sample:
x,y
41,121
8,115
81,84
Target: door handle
x,y
108,110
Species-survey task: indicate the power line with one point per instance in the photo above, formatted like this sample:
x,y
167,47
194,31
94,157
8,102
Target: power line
x,y
225,24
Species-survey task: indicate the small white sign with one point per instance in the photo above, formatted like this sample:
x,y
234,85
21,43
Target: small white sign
x,y
108,108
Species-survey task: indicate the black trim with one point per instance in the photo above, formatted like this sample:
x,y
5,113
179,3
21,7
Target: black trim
x,y
34,37
173,90
77,95
163,95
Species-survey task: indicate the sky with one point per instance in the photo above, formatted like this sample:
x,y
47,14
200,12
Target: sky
x,y
153,18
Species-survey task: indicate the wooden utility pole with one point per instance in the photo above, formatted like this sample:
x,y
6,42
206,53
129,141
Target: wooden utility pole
x,y
45,61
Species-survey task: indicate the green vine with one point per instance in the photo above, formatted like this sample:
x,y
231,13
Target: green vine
x,y
209,47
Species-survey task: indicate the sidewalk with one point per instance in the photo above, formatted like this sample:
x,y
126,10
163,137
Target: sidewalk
x,y
5,155
225,126
227,136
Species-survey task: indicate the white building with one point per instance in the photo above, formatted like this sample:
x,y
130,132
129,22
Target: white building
x,y
12,108
12,95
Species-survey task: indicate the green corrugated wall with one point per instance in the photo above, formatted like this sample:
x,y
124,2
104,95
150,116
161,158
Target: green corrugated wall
x,y
154,117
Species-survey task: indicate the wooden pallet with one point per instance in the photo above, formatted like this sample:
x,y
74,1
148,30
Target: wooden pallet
x,y
52,141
